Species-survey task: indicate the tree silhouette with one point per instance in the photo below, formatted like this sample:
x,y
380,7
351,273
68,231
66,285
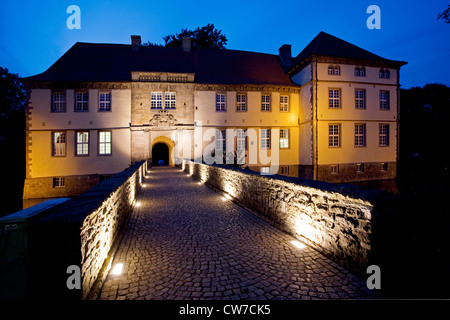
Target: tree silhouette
x,y
445,15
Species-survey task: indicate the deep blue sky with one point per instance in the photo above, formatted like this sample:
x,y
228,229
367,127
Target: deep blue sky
x,y
34,34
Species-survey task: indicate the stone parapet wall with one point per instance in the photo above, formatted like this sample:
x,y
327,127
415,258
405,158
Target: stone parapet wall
x,y
335,220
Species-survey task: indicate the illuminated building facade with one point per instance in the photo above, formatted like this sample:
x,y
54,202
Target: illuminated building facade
x,y
331,113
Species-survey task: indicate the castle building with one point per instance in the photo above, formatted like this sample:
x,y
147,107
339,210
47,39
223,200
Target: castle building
x,y
331,113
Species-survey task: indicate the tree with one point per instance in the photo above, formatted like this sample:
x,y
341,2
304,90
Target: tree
x,y
204,37
13,99
445,15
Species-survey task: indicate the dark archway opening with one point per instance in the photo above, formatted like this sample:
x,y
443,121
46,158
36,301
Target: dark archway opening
x,y
160,154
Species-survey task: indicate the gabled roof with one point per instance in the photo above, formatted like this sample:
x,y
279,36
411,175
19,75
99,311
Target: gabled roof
x,y
325,44
115,62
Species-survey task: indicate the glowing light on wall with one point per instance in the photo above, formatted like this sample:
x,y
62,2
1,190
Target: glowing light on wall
x,y
117,269
138,204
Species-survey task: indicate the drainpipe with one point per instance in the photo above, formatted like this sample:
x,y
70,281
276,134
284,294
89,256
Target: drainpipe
x,y
315,122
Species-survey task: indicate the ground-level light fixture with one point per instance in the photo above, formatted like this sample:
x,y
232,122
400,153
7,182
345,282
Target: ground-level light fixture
x,y
298,244
117,269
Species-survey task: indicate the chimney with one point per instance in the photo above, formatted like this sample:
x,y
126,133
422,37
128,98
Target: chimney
x,y
135,43
186,44
285,55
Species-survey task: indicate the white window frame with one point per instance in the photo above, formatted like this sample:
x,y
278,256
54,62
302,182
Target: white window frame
x,y
170,100
59,144
334,98
82,143
334,169
156,100
384,100
360,134
241,102
265,102
334,135
104,101
360,98
284,170
284,138
59,182
81,101
383,138
284,103
58,101
265,139
104,143
334,70
221,102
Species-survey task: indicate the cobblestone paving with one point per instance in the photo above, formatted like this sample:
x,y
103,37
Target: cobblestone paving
x,y
184,242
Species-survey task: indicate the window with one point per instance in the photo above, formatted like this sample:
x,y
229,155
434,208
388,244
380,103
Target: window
x,y
59,102
334,98
265,102
221,142
360,98
81,101
104,101
59,144
220,102
360,167
360,72
384,100
284,138
265,170
384,135
384,74
104,142
334,70
241,139
156,100
284,169
384,166
334,169
284,103
334,135
170,100
82,143
59,182
241,102
360,135
265,138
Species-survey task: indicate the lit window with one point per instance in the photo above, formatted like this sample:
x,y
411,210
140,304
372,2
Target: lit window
x,y
334,98
265,170
82,147
360,98
104,101
156,100
384,166
384,135
241,138
81,101
220,102
265,138
59,102
384,100
59,144
334,70
265,102
241,102
59,182
334,135
360,135
284,103
170,100
104,142
284,138
221,142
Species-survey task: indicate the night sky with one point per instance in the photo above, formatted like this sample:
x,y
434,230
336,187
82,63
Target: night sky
x,y
34,34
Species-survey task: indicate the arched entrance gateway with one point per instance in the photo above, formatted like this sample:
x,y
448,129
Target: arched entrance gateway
x,y
162,151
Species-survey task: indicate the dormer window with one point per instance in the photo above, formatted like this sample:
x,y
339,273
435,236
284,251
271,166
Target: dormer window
x,y
334,70
360,72
385,74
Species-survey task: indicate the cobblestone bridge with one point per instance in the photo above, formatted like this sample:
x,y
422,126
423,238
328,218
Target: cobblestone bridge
x,y
185,241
